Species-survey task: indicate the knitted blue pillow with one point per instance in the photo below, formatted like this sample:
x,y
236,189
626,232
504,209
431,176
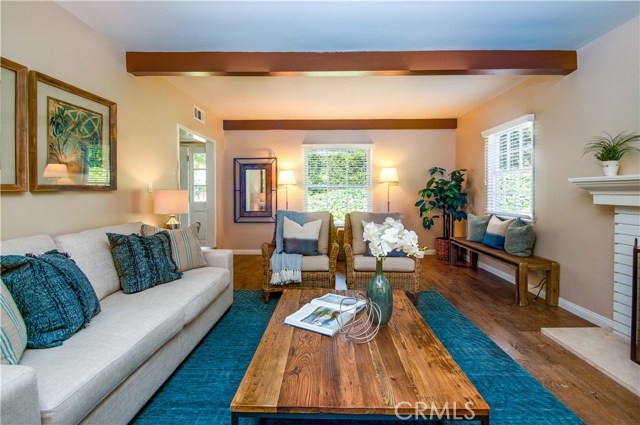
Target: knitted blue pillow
x,y
143,261
49,306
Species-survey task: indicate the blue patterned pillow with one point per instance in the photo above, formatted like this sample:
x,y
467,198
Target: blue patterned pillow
x,y
49,306
76,279
496,232
143,261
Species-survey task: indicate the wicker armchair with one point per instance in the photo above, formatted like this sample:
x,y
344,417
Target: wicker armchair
x,y
408,281
310,278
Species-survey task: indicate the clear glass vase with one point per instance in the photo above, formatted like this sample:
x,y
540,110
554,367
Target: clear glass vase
x,y
379,291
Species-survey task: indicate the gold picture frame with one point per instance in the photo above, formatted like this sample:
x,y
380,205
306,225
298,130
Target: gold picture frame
x,y
72,138
13,147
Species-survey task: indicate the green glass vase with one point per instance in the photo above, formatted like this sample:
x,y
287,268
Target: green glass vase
x,y
379,291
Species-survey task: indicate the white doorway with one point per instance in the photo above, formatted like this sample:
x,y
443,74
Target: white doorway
x,y
197,175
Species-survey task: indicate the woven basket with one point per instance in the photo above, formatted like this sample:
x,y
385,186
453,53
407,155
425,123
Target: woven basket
x,y
442,249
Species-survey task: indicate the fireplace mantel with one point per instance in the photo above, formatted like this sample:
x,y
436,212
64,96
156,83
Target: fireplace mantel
x,y
611,190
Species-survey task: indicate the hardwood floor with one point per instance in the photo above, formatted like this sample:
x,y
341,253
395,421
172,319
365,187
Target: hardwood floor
x,y
488,301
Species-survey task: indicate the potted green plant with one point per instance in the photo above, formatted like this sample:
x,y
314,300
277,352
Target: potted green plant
x,y
610,149
443,196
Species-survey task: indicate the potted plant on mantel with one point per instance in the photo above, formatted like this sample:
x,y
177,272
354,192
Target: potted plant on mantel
x,y
610,149
443,194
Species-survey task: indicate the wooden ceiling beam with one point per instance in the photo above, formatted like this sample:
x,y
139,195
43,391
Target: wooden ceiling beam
x,y
358,124
448,62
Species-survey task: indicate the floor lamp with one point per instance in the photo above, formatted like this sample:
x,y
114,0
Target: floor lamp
x,y
286,179
388,176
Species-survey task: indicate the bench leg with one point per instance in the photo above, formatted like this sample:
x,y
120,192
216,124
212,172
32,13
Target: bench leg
x,y
553,285
522,285
473,256
453,254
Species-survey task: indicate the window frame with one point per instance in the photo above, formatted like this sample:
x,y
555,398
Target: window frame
x,y
339,221
493,135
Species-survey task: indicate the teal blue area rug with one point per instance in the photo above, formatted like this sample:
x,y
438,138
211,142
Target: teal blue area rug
x,y
202,388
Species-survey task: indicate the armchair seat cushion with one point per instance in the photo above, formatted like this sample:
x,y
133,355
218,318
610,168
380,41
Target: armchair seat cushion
x,y
316,263
364,263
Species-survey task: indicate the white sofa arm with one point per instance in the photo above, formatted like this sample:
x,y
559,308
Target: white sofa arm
x,y
219,258
18,395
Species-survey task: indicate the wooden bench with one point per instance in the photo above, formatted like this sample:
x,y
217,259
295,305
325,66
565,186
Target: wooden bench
x,y
523,266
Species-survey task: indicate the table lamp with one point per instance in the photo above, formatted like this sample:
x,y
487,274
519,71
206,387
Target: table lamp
x,y
56,171
388,176
172,203
286,178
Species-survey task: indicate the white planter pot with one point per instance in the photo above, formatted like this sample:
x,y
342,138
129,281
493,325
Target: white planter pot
x,y
610,168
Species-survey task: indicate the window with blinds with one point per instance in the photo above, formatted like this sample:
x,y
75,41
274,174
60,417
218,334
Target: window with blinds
x,y
509,168
337,178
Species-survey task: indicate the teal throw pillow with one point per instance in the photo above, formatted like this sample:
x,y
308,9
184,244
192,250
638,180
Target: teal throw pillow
x,y
143,261
477,227
496,232
51,309
13,331
520,239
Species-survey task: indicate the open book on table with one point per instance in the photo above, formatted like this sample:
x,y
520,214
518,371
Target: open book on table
x,y
326,314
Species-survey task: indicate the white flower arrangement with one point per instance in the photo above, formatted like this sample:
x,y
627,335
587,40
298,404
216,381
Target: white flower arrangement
x,y
384,238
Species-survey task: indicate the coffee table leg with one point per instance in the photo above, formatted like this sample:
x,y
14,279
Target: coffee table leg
x,y
234,419
484,420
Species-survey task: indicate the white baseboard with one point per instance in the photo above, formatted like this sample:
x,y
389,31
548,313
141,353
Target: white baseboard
x,y
587,315
579,311
247,252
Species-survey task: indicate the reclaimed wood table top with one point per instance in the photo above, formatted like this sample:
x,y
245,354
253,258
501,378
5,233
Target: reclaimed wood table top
x,y
404,368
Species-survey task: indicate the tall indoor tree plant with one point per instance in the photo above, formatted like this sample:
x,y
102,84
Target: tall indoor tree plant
x,y
443,197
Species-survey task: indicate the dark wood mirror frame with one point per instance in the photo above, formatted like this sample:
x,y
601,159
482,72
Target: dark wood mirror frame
x,y
20,181
246,208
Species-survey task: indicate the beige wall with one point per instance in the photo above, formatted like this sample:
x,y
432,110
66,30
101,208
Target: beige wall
x,y
602,95
412,152
46,38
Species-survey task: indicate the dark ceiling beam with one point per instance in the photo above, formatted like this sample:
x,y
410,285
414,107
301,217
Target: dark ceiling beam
x,y
449,62
361,124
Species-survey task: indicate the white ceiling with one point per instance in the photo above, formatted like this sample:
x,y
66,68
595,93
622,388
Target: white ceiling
x,y
348,26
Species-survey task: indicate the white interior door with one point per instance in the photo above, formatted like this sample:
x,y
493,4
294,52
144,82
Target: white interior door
x,y
193,177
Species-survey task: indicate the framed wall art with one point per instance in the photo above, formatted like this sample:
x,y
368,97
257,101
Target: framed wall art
x,y
72,137
13,127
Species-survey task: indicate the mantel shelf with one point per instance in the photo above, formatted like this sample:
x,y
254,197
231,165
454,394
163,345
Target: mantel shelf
x,y
611,190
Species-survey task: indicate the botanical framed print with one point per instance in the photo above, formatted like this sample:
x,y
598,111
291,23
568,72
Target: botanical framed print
x,y
13,127
72,137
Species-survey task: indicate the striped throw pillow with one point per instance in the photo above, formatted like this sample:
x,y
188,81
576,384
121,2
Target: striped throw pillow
x,y
13,332
496,232
185,245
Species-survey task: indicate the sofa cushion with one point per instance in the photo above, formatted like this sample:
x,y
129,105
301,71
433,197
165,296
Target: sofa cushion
x,y
315,263
13,336
363,263
143,261
358,244
50,308
194,292
185,245
73,378
91,252
31,244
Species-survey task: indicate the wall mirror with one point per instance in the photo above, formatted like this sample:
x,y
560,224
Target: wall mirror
x,y
255,191
13,144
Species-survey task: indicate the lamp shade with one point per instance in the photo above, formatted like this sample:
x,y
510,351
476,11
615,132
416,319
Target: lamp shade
x,y
171,202
55,171
389,175
286,177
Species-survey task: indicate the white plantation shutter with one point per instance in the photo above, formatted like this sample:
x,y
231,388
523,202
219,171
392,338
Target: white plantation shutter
x,y
337,178
509,158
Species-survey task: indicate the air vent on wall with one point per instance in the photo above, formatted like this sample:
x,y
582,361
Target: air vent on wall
x,y
198,114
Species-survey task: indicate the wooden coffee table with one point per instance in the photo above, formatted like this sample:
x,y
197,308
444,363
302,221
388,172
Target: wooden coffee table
x,y
404,372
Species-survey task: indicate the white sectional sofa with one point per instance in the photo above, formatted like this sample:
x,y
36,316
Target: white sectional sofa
x,y
106,372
